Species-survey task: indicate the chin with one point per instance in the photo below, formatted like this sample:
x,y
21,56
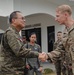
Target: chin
x,y
61,23
23,26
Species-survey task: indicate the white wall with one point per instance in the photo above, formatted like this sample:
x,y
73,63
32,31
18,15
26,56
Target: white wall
x,y
6,7
1,31
34,6
45,20
3,23
72,11
29,7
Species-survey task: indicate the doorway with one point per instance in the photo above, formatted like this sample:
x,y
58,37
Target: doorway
x,y
29,31
50,37
0,37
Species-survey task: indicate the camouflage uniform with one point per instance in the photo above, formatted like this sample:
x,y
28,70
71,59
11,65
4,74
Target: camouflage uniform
x,y
12,52
64,67
66,46
57,62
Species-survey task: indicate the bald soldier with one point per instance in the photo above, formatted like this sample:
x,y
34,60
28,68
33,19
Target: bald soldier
x,y
13,49
63,17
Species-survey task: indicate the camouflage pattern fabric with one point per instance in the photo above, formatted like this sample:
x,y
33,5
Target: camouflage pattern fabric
x,y
12,52
66,46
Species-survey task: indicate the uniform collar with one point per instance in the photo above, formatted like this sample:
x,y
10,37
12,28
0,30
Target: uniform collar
x,y
31,45
59,40
70,29
14,29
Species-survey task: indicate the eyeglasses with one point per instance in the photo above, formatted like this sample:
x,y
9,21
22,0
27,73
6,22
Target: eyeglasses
x,y
23,18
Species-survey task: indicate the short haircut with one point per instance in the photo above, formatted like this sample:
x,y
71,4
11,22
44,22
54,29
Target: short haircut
x,y
65,8
59,32
13,15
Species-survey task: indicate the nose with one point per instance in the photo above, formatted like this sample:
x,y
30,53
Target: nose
x,y
24,20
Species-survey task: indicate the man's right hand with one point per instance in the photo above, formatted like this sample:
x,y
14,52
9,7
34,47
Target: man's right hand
x,y
27,66
43,56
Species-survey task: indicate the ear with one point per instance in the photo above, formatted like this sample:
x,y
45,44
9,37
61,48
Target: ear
x,y
13,20
66,14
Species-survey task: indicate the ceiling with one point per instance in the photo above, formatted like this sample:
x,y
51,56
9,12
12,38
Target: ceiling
x,y
59,2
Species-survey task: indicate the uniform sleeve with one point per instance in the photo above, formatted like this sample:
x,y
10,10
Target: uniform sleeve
x,y
18,48
57,52
54,46
39,62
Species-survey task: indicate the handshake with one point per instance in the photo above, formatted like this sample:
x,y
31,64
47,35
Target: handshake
x,y
43,56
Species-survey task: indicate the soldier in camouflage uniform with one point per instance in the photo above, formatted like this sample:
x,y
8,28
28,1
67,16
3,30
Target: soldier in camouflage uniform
x,y
57,62
63,16
12,47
